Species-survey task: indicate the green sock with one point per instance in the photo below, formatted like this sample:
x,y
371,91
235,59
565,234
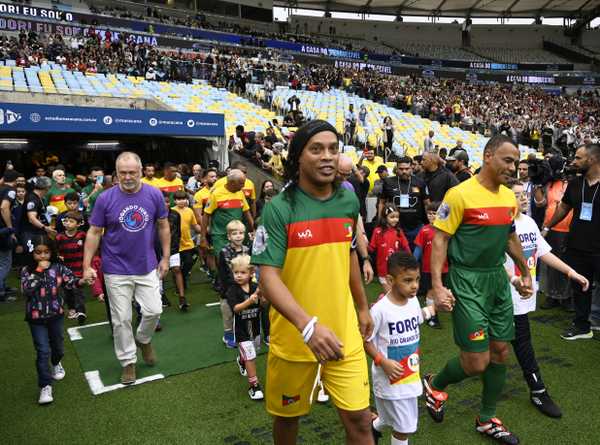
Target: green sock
x,y
452,373
493,379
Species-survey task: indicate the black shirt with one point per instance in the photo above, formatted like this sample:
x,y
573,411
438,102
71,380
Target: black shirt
x,y
7,193
33,203
414,215
463,175
247,322
583,235
439,182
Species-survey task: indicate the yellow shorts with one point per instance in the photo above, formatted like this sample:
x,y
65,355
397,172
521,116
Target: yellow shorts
x,y
291,386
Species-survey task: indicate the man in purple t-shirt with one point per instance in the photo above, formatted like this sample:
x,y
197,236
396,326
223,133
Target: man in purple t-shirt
x,y
126,217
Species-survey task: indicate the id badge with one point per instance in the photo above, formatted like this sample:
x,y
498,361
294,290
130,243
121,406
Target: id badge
x,y
586,211
404,201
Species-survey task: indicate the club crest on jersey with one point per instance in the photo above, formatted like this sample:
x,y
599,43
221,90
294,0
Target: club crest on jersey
x,y
288,400
348,228
444,211
478,335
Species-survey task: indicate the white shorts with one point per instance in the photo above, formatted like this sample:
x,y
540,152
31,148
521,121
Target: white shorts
x,y
174,261
248,349
402,415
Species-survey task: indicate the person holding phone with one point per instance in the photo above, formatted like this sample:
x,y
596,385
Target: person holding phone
x,y
95,186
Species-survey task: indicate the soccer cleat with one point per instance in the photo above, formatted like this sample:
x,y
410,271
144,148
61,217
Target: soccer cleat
x,y
434,322
494,429
128,374
81,317
183,304
241,367
574,333
434,399
255,392
58,372
165,300
545,404
46,395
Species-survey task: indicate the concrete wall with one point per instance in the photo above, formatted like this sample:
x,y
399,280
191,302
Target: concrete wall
x,y
82,101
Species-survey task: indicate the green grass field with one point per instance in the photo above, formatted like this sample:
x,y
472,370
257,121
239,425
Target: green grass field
x,y
210,406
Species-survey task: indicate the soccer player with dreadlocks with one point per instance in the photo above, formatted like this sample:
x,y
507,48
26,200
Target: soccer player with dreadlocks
x,y
310,273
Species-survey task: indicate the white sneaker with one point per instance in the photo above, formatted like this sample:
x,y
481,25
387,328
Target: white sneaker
x,y
58,372
322,396
255,393
46,395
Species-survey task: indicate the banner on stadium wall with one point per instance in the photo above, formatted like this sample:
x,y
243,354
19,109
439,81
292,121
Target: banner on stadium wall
x,y
361,66
35,12
69,30
17,118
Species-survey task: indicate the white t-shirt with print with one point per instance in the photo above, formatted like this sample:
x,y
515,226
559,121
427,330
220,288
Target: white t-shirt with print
x,y
396,335
534,246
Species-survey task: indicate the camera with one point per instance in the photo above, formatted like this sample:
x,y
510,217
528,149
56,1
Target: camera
x,y
539,171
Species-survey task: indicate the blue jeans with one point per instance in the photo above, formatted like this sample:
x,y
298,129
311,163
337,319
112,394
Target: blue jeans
x,y
411,235
49,345
5,265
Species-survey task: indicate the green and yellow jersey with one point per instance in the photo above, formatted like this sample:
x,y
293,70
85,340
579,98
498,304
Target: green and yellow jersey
x,y
310,241
223,207
480,222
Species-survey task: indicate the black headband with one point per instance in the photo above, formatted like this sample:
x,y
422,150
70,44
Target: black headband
x,y
307,131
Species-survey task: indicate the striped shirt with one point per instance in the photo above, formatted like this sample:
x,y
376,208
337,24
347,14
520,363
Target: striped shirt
x,y
70,248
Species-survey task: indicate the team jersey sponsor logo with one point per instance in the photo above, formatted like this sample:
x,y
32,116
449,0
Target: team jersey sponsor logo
x,y
306,234
288,400
408,357
478,335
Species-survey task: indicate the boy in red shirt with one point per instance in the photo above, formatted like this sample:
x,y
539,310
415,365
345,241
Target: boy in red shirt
x,y
422,252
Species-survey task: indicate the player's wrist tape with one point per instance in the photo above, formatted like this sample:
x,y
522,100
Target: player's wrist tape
x,y
309,329
427,313
378,359
514,279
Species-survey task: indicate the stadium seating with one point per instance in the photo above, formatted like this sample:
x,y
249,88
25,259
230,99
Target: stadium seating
x,y
197,97
409,130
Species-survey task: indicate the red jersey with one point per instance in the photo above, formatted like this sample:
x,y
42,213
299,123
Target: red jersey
x,y
424,240
71,249
385,242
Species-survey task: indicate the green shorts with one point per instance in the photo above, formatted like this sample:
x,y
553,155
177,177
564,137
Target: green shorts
x,y
484,307
218,242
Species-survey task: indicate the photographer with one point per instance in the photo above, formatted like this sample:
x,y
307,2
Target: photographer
x,y
583,241
550,184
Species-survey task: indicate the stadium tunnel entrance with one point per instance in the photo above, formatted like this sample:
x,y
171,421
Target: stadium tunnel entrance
x,y
33,135
79,151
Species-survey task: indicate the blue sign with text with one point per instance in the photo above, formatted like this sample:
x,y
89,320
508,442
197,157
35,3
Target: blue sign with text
x,y
61,119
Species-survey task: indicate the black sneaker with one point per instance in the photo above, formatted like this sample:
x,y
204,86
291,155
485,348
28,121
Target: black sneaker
x,y
434,322
494,429
550,303
434,400
574,333
81,317
165,300
183,305
545,404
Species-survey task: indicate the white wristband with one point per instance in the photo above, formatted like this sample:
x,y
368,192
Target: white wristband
x,y
427,313
309,329
514,279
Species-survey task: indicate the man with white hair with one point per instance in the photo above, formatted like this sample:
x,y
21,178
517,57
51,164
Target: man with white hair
x,y
195,182
225,204
56,195
127,217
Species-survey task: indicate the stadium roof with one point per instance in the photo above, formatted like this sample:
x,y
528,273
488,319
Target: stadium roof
x,y
454,8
